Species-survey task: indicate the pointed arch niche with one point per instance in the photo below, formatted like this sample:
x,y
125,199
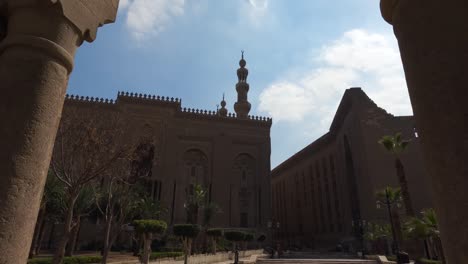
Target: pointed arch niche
x,y
245,177
196,168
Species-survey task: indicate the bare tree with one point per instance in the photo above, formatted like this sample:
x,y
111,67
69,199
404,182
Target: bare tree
x,y
121,195
88,144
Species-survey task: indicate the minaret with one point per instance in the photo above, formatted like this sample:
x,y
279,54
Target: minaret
x,y
223,111
242,106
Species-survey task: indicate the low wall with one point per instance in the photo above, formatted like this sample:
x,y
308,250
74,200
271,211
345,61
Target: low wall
x,y
209,258
316,261
381,259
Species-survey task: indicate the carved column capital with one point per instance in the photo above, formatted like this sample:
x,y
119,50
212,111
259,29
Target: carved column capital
x,y
88,15
387,8
85,15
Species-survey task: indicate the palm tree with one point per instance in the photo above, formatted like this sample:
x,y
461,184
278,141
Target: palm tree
x,y
396,145
209,211
378,235
391,197
195,200
426,228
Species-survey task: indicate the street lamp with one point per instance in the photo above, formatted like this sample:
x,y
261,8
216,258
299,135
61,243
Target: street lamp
x,y
272,226
359,226
389,203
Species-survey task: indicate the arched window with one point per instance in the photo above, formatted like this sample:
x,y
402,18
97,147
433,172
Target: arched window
x,y
245,169
196,167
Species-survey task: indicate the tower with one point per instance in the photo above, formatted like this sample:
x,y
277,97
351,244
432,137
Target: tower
x,y
242,106
223,111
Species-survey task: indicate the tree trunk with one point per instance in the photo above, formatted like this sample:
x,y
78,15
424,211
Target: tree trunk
x,y
214,245
70,249
397,225
37,230
404,187
426,249
137,245
187,248
146,248
440,250
106,246
41,237
51,236
236,254
60,252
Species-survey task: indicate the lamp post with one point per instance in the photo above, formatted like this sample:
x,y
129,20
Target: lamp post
x,y
359,227
389,203
272,226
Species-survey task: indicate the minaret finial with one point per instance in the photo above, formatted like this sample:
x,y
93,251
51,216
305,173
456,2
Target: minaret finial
x,y
242,54
223,111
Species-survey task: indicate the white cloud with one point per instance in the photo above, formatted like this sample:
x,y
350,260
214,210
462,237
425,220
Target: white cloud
x,y
358,58
256,11
147,18
123,4
259,3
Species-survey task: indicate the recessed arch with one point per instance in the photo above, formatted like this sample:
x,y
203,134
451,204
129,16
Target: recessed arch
x,y
244,172
196,167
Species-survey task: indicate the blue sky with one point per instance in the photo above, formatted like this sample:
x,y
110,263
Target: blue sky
x,y
301,56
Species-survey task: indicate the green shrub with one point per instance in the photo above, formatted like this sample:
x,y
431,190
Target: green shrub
x,y
214,232
234,235
40,261
186,230
150,226
428,261
170,249
223,244
68,260
160,255
392,258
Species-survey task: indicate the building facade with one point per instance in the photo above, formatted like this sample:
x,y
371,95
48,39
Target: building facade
x,y
228,154
321,193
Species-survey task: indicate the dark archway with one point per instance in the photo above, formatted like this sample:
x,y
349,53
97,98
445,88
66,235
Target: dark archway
x,y
352,183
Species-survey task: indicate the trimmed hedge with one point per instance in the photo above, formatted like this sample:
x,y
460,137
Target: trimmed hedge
x,y
234,235
186,230
248,237
68,260
214,232
428,261
160,255
150,226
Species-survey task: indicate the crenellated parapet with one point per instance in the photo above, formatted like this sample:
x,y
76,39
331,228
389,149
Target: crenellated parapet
x,y
87,99
164,101
207,114
138,97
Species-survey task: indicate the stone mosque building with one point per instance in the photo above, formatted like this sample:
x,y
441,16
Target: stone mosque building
x,y
314,198
227,153
322,193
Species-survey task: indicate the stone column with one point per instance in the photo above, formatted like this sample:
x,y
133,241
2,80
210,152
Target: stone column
x,y
36,58
433,40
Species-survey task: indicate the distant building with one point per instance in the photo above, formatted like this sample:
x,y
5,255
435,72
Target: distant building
x,y
328,187
227,153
